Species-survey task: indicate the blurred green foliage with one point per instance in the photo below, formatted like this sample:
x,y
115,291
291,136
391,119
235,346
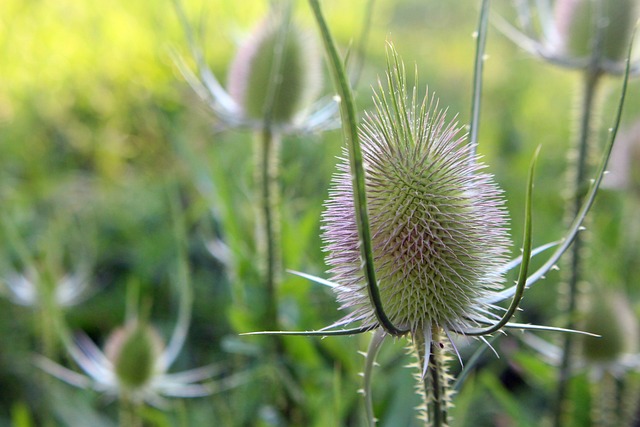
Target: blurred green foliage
x,y
96,127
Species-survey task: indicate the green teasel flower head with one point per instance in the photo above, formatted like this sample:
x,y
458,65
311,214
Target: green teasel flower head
x,y
577,34
438,222
274,80
601,27
134,350
276,74
609,315
132,365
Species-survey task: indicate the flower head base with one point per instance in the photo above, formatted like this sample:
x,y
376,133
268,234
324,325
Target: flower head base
x,y
438,223
276,73
134,351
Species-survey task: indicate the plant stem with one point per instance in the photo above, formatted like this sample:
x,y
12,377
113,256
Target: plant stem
x,y
352,140
268,227
440,396
128,413
481,41
434,385
605,411
268,238
48,314
374,347
579,184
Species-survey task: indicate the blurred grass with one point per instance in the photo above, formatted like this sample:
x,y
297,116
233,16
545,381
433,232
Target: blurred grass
x,y
91,112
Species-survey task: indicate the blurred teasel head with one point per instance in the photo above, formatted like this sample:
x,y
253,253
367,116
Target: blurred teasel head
x,y
610,316
134,351
577,34
276,74
274,79
438,223
600,27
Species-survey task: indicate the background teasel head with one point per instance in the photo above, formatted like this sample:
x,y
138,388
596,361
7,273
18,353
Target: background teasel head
x,y
609,315
134,351
588,27
276,73
578,34
274,79
438,223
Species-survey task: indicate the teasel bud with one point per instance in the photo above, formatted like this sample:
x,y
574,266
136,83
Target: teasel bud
x,y
600,27
134,351
438,222
608,314
276,74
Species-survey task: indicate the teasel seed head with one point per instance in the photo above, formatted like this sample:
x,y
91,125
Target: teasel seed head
x,y
582,24
134,351
276,72
609,315
438,222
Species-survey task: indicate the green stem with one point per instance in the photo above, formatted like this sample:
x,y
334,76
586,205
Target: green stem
x,y
128,413
268,227
629,403
361,49
374,347
604,402
350,132
434,385
481,41
268,244
48,338
438,411
580,183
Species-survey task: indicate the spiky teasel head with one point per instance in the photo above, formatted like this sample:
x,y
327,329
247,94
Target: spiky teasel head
x,y
134,350
438,222
276,73
587,26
